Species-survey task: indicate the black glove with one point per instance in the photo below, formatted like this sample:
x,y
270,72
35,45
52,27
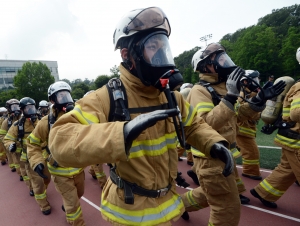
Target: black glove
x,y
219,151
270,92
12,147
133,128
39,170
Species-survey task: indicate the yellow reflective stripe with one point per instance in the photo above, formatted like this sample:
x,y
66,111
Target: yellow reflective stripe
x,y
153,147
63,171
150,216
287,141
247,131
10,137
102,174
34,140
239,182
23,156
204,107
19,150
74,216
286,112
16,165
2,153
11,165
24,141
235,152
270,189
45,154
236,108
197,152
250,162
3,132
192,201
26,178
40,196
295,104
210,224
191,112
83,117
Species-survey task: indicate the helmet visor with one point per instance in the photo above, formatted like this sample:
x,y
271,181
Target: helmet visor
x,y
148,18
210,49
14,107
157,51
29,110
63,97
223,60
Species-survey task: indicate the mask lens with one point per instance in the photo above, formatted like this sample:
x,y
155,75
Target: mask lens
x,y
14,107
63,97
30,110
157,51
224,60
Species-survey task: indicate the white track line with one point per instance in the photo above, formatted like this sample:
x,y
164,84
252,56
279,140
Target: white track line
x,y
270,147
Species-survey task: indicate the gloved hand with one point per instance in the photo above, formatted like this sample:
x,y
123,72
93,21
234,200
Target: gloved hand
x,y
12,147
270,92
218,150
39,170
133,128
233,82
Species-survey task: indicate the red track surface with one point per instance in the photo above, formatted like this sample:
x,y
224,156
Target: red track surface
x,y
17,208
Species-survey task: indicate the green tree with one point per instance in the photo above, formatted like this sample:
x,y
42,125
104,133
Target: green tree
x,y
101,81
115,72
6,95
33,81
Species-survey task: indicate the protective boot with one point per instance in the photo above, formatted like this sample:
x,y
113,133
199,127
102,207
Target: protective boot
x,y
185,216
31,193
244,199
265,202
46,212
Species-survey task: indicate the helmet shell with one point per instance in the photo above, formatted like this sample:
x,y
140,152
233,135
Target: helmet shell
x,y
26,101
11,102
196,59
58,86
298,55
43,103
3,110
251,74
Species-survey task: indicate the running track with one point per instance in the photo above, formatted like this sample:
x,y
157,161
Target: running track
x,y
17,208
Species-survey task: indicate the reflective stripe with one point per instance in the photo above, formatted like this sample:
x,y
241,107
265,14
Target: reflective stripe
x,y
153,147
286,112
192,201
295,104
239,182
235,152
40,196
247,131
23,156
191,112
19,150
210,224
74,216
65,172
102,174
287,141
3,132
268,188
11,165
2,153
204,107
45,154
82,116
34,140
250,162
236,108
10,137
150,216
26,178
16,165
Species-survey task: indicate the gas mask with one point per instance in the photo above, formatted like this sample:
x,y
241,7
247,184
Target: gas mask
x,y
30,111
155,61
15,110
64,101
223,65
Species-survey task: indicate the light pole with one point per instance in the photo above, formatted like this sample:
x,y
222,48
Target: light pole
x,y
205,38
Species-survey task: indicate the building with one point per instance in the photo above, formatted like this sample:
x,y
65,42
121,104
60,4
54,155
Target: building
x,y
9,69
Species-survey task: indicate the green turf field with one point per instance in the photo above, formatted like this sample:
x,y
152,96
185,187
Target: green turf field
x,y
269,158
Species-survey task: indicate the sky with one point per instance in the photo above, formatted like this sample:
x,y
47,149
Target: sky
x,y
78,34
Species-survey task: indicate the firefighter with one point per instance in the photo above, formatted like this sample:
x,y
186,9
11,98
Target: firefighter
x,y
14,114
288,138
43,109
3,116
214,98
15,139
141,145
247,129
68,181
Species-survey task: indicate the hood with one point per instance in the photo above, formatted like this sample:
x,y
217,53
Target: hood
x,y
209,77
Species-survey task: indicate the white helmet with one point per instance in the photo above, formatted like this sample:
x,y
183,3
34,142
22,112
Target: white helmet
x,y
298,55
87,93
57,86
186,85
43,103
196,59
3,110
140,20
185,92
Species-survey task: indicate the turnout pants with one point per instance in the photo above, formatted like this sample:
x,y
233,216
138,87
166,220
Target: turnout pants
x,y
71,190
282,177
250,155
2,153
97,171
189,155
216,191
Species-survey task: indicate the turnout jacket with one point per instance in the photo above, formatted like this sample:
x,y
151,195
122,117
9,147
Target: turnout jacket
x,y
12,137
84,137
222,117
290,114
37,141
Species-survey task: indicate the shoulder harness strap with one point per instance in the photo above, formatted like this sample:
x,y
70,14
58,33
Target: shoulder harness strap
x,y
51,120
215,97
21,132
9,121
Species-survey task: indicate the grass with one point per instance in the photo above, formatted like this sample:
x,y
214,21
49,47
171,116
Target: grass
x,y
269,158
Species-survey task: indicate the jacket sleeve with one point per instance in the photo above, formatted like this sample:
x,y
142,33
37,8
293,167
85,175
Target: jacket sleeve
x,y
215,116
11,136
34,143
83,137
198,133
294,98
3,130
